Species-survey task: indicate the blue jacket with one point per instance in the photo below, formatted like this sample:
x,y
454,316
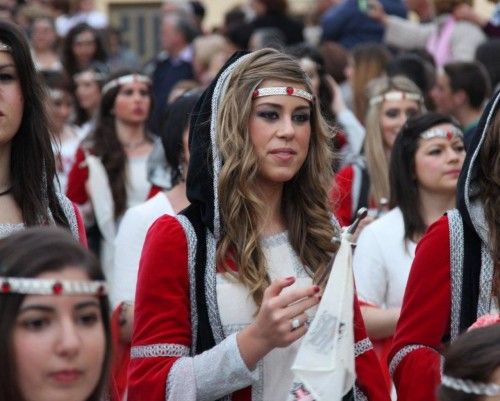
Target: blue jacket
x,y
349,26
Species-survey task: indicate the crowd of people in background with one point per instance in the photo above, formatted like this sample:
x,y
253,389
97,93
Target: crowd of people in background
x,y
211,184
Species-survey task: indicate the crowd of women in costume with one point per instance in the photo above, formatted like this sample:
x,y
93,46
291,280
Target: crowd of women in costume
x,y
186,252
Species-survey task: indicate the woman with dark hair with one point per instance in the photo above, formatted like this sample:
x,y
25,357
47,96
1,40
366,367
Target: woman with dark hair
x,y
54,332
44,42
87,87
82,47
225,288
138,219
453,279
28,195
426,160
110,167
136,223
471,368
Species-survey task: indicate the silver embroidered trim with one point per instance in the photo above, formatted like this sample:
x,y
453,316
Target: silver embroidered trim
x,y
8,229
192,241
399,356
275,240
258,388
211,290
362,346
157,350
476,151
219,90
358,394
456,231
485,282
69,212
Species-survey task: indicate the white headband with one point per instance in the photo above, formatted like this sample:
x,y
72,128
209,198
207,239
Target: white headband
x,y
442,133
36,286
282,91
470,387
126,79
396,96
5,47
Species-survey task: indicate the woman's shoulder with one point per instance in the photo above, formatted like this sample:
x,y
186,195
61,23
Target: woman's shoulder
x,y
150,210
389,222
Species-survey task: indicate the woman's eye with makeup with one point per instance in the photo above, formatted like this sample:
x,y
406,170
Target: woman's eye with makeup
x,y
88,318
6,77
392,113
434,152
411,113
301,117
268,115
35,323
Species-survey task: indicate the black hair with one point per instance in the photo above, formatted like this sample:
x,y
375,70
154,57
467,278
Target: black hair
x,y
28,254
473,356
172,127
472,78
488,53
32,164
404,187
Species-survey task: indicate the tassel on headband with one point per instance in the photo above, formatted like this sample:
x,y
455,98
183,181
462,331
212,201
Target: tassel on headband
x,y
282,91
36,286
470,387
125,79
396,96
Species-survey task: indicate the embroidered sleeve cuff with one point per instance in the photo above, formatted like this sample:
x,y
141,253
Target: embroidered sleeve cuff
x,y
221,371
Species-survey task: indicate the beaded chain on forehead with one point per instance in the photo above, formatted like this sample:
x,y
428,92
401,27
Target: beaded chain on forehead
x,y
283,91
37,286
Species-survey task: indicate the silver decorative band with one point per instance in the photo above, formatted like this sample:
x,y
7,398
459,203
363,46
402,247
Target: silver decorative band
x,y
4,47
399,356
362,346
396,96
89,75
470,387
159,350
437,132
282,91
35,286
126,79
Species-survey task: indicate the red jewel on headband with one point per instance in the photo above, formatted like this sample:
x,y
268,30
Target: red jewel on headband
x,y
289,90
101,290
255,93
5,287
57,288
449,135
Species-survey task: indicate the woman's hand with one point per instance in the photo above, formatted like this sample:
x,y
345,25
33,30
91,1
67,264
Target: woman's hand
x,y
281,320
338,103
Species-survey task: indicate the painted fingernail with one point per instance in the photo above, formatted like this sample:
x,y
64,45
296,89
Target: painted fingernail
x,y
290,279
317,288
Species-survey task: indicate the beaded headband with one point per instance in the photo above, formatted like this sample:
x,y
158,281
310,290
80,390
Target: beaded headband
x,y
5,47
470,387
37,286
126,79
282,91
395,96
441,133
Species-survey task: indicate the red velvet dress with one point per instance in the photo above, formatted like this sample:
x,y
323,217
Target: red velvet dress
x,y
425,318
163,317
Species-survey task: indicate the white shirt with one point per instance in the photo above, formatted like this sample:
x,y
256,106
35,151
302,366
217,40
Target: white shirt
x,y
129,242
382,261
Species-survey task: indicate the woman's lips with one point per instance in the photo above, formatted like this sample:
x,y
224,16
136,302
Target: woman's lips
x,y
66,376
283,154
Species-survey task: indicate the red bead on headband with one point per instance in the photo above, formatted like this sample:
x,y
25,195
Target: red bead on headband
x,y
282,91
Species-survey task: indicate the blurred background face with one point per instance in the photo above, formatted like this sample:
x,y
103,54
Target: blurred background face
x,y
442,94
59,343
88,92
84,47
393,115
62,107
43,35
132,103
311,69
438,162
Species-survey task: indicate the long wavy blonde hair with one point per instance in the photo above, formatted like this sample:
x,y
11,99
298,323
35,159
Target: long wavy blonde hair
x,y
377,158
305,204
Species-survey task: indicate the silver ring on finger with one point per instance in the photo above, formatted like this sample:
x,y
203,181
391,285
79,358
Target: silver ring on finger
x,y
295,324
